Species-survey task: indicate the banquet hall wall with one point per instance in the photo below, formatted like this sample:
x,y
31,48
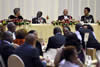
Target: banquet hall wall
x,y
52,8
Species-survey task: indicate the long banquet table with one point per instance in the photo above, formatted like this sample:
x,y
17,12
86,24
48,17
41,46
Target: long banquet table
x,y
46,30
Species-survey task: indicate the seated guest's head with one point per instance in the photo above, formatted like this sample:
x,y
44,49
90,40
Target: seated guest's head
x,y
78,26
70,54
30,39
20,36
2,28
57,30
33,32
86,10
17,11
66,30
11,27
21,33
65,12
39,14
71,39
7,36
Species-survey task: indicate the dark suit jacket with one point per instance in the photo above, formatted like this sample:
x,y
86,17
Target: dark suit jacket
x,y
14,17
62,17
29,55
35,20
84,18
6,49
39,47
92,42
55,41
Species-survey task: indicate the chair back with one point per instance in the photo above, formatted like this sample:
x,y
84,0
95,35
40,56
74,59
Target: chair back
x,y
98,55
98,58
1,62
15,61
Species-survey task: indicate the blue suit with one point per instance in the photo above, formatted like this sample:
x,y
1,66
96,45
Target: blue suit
x,y
6,49
29,55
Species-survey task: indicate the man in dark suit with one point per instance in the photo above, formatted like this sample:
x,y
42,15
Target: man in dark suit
x,y
39,19
92,42
57,40
28,53
12,28
38,45
65,15
6,48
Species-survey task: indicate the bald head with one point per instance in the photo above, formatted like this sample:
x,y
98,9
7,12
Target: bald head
x,y
65,12
30,39
11,27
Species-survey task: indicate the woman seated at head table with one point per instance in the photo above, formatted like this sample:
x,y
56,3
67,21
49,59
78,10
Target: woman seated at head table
x,y
87,18
16,14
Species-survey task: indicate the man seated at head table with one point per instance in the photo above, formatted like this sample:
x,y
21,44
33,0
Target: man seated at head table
x,y
64,16
38,19
87,18
29,53
16,14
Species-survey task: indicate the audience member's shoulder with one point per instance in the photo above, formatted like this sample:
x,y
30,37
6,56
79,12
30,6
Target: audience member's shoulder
x,y
7,46
51,37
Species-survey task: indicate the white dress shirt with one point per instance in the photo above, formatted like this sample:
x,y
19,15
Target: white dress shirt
x,y
13,35
66,17
78,35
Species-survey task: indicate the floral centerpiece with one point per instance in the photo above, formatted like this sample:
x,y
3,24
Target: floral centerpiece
x,y
98,22
66,22
16,21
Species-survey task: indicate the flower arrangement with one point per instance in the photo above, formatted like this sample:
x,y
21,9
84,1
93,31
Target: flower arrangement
x,y
65,22
98,22
16,21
